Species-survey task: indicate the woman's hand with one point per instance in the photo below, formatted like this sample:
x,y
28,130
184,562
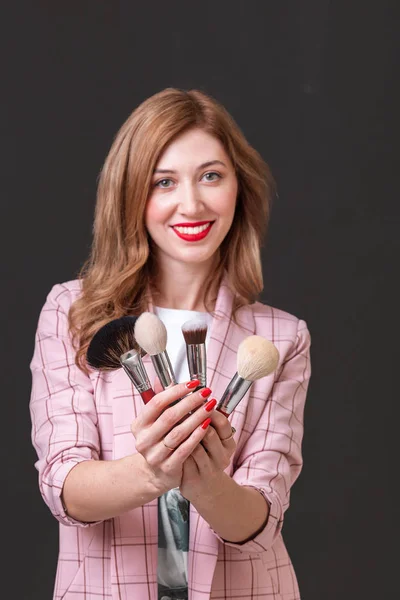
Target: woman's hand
x,y
167,435
205,466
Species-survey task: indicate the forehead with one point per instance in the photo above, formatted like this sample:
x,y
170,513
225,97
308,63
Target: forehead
x,y
192,148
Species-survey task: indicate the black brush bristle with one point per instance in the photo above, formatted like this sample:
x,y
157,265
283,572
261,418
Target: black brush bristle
x,y
111,341
195,331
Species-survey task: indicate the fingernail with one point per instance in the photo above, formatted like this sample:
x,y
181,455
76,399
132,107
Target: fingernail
x,y
205,392
192,384
210,404
206,423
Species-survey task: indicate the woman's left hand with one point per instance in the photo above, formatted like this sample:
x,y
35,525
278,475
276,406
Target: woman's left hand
x,y
206,464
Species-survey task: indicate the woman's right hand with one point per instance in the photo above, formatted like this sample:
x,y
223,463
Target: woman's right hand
x,y
166,435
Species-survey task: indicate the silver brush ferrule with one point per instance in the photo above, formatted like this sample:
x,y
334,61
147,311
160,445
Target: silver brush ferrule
x,y
197,362
163,368
233,394
133,366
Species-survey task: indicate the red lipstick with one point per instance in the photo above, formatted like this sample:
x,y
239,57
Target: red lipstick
x,y
192,224
193,237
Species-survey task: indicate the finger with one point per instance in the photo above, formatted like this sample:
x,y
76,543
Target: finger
x,y
219,452
184,450
201,458
161,401
158,451
174,430
221,425
148,438
190,468
212,444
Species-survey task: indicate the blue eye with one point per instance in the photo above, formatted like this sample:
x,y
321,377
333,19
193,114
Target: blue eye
x,y
212,176
164,183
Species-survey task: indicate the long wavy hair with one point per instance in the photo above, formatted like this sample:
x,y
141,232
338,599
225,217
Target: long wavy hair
x,y
119,274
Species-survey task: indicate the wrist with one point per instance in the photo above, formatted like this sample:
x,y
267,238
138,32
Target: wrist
x,y
206,489
138,470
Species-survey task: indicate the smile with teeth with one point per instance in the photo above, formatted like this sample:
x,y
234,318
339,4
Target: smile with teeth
x,y
193,233
192,230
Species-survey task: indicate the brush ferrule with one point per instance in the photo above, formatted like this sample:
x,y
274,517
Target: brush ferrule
x,y
163,368
233,394
133,366
197,362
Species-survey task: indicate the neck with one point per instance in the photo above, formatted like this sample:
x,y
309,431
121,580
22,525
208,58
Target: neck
x,y
182,286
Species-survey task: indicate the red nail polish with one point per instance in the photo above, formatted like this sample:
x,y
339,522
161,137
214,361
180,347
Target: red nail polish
x,y
210,404
205,392
206,423
192,384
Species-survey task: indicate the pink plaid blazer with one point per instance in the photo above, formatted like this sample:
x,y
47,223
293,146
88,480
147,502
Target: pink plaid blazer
x,y
77,417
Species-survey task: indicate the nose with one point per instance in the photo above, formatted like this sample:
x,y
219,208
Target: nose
x,y
190,201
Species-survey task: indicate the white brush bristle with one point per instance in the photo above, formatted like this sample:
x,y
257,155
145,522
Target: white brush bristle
x,y
256,357
195,330
194,324
151,333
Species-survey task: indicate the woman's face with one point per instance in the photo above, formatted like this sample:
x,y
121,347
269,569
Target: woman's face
x,y
192,200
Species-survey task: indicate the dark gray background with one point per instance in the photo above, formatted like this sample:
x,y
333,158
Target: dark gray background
x,y
314,86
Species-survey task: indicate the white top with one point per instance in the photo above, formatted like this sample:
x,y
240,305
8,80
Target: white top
x,y
173,320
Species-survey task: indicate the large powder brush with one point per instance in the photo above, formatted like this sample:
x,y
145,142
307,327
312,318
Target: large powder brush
x,y
151,335
195,332
257,357
114,346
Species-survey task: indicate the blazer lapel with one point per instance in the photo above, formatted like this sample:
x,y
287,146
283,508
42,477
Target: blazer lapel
x,y
225,336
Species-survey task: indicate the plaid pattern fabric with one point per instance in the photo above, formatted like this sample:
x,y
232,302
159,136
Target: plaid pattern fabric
x,y
76,418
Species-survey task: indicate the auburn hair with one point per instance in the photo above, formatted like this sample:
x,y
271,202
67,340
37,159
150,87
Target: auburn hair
x,y
118,276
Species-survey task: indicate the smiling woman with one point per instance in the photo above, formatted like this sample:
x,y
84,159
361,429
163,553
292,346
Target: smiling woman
x,y
172,499
137,177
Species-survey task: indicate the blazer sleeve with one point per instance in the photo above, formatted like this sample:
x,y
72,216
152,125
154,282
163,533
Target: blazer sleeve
x,y
63,413
271,459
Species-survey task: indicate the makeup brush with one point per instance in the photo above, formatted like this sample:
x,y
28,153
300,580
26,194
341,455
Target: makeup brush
x,y
257,357
114,346
195,332
151,335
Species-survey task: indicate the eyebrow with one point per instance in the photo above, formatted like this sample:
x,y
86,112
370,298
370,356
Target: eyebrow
x,y
209,163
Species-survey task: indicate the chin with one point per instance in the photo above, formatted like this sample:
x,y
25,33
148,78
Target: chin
x,y
198,257
193,261
192,258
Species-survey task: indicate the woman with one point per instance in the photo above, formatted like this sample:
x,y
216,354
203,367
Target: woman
x,y
183,202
